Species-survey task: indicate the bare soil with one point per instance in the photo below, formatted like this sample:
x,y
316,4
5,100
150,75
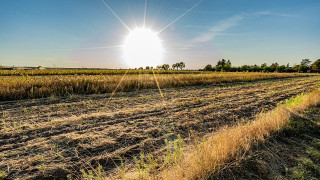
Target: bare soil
x,y
52,137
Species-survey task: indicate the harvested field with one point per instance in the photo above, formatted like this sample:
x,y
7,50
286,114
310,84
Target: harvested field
x,y
26,87
53,137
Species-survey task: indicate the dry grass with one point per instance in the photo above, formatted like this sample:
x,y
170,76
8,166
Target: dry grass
x,y
54,137
22,87
207,157
293,153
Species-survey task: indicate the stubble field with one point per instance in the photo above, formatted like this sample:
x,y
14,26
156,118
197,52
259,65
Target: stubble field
x,y
56,136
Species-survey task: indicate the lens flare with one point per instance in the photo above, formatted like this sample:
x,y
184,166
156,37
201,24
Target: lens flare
x,y
142,47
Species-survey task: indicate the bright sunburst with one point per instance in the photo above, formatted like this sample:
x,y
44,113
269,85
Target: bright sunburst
x,y
142,47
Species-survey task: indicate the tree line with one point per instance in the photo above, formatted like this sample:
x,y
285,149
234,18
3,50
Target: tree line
x,y
225,66
179,65
305,66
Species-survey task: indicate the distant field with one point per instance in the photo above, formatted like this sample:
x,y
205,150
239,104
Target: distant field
x,y
91,72
25,86
57,136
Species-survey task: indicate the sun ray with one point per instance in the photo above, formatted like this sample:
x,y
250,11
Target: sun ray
x,y
115,90
183,14
160,91
145,13
115,14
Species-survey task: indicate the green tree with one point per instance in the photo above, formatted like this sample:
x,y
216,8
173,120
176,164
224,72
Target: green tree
x,y
227,67
147,67
266,69
296,68
263,65
178,65
244,68
281,68
305,62
315,67
304,65
174,66
208,67
228,63
255,68
273,67
234,69
182,65
219,68
165,66
222,62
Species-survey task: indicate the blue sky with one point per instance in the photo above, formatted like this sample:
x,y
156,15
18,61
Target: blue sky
x,y
84,33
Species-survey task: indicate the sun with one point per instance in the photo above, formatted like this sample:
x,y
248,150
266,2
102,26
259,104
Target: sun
x,y
142,47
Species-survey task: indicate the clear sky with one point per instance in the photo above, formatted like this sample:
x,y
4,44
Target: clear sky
x,y
85,33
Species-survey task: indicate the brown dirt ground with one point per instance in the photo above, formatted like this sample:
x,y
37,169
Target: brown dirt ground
x,y
52,137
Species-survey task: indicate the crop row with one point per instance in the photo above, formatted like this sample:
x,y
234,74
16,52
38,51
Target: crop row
x,y
22,87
